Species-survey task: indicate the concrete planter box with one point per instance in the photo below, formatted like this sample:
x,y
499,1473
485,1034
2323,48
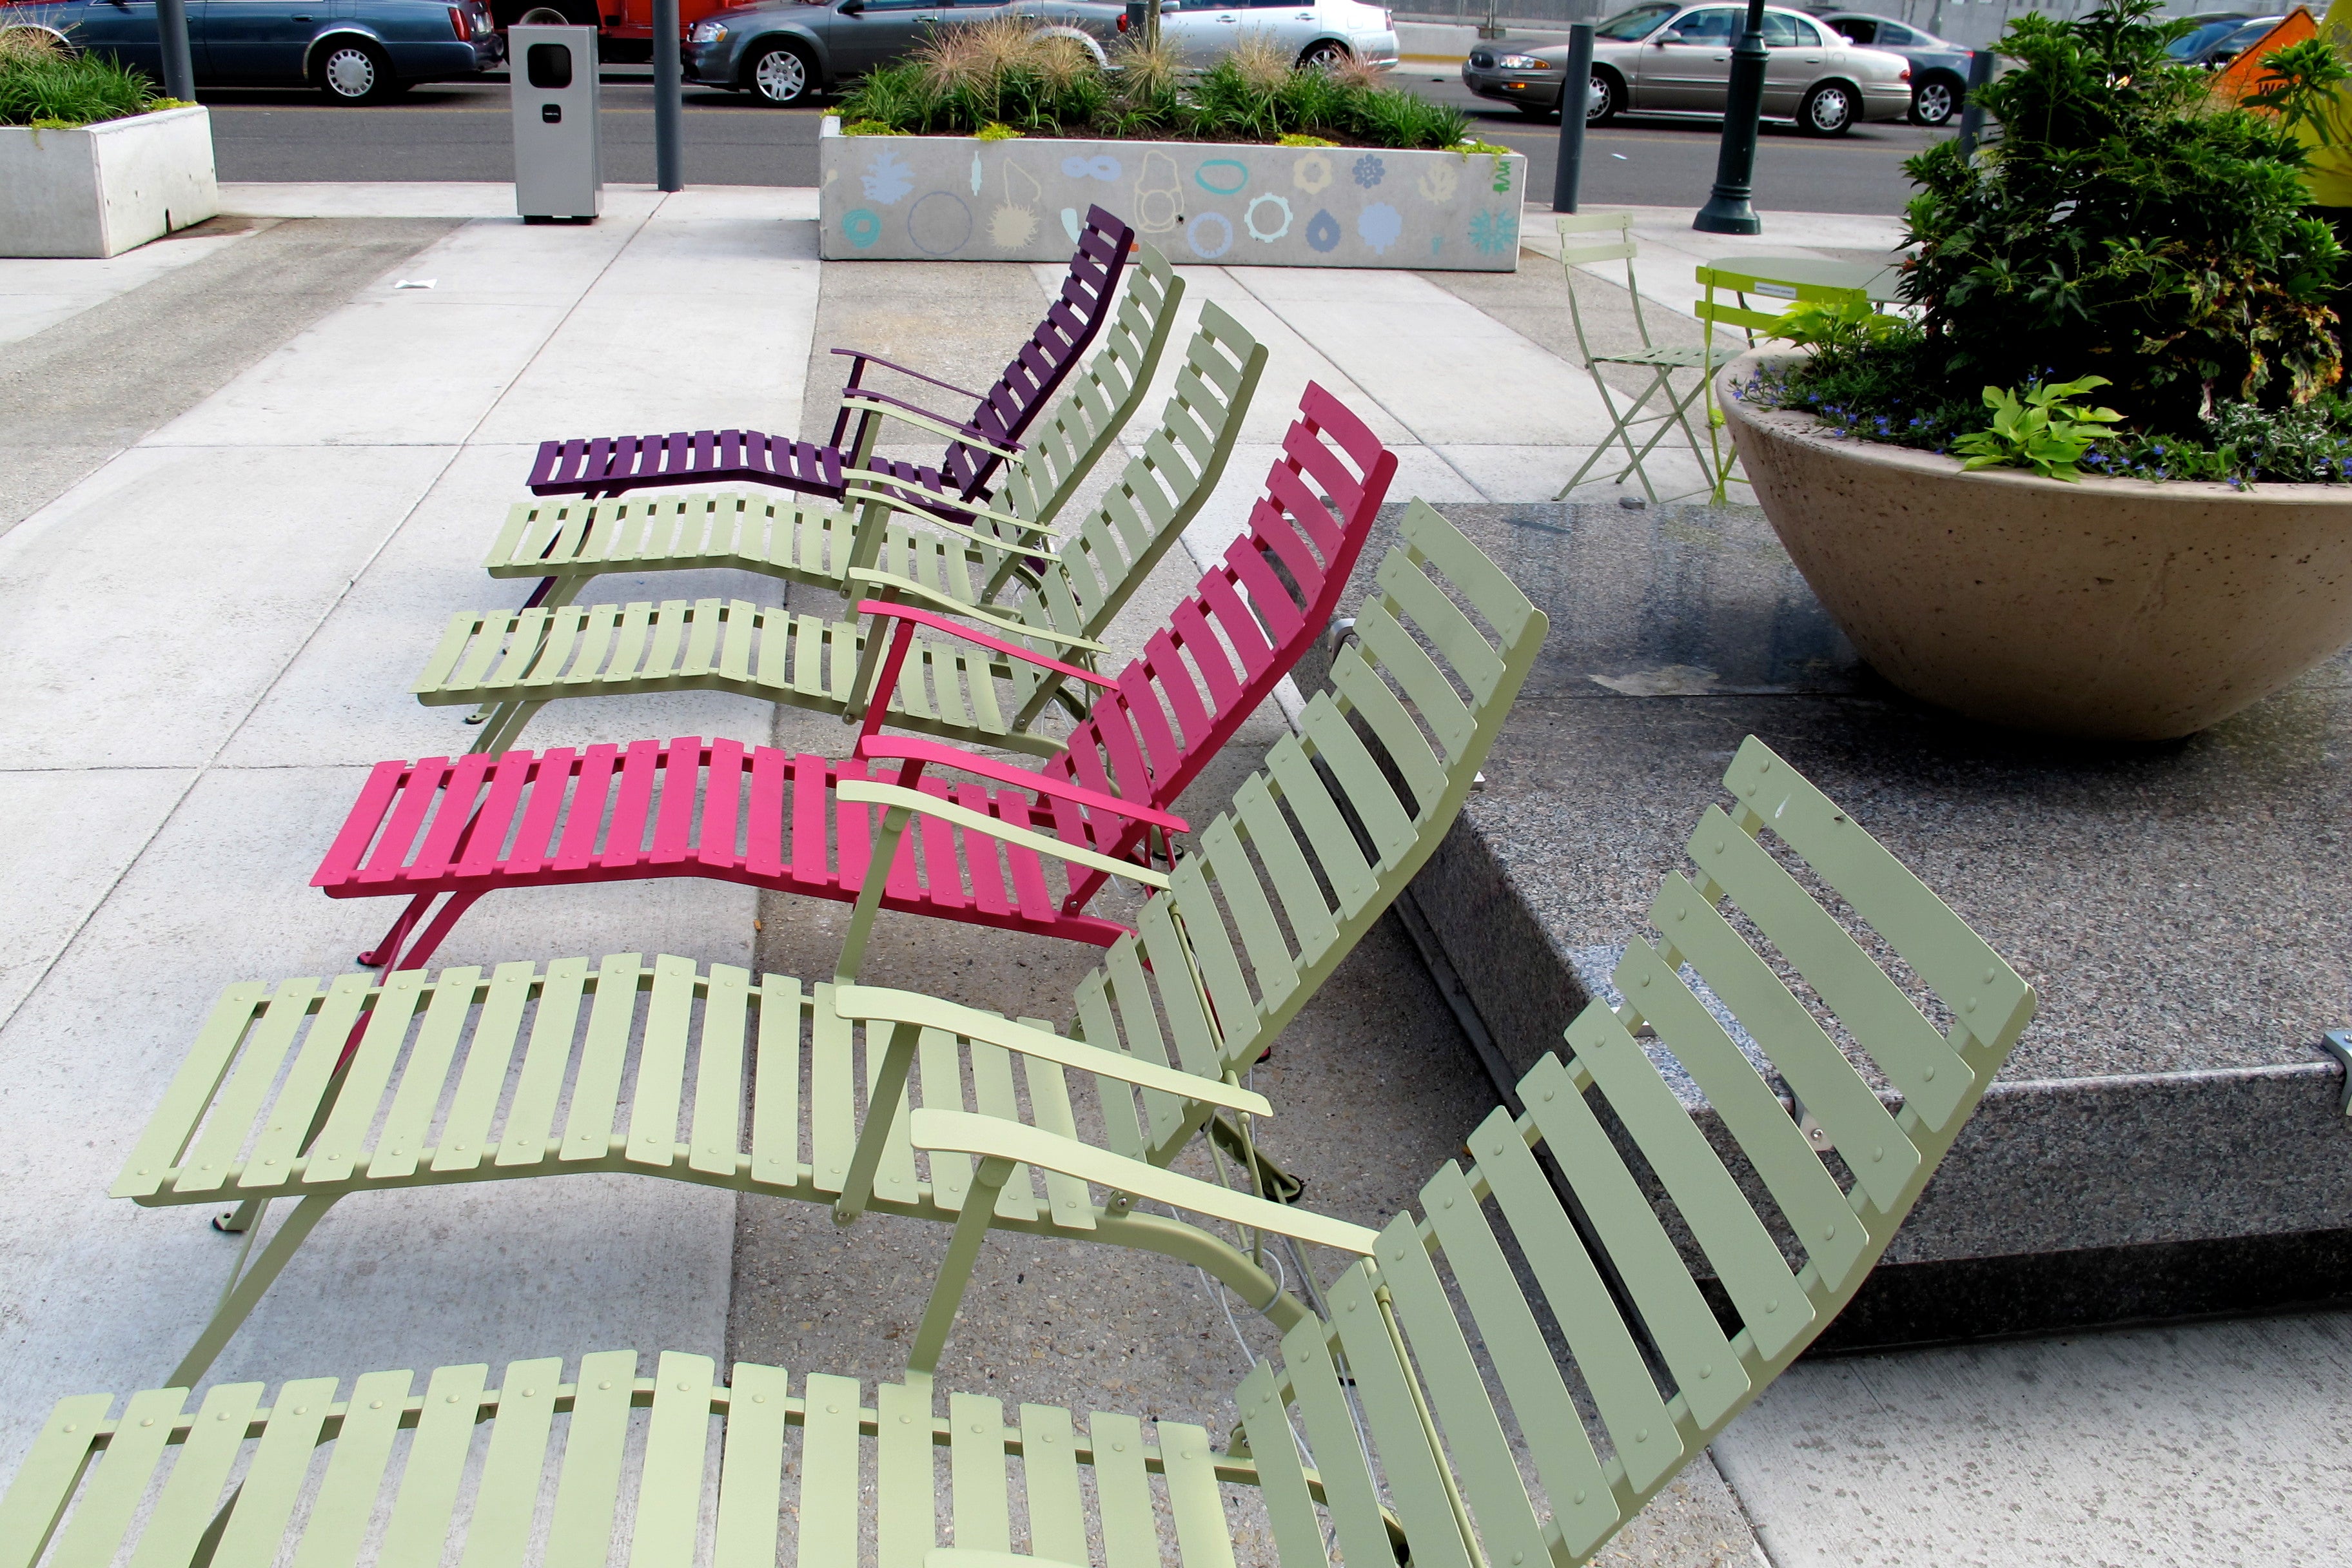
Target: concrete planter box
x,y
2115,609
102,189
956,198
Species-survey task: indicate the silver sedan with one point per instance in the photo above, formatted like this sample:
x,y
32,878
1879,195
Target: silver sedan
x,y
1674,59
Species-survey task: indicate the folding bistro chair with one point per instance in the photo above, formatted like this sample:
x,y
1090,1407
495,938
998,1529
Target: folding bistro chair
x,y
1738,312
783,822
976,443
1433,1418
315,1090
568,541
1673,407
957,681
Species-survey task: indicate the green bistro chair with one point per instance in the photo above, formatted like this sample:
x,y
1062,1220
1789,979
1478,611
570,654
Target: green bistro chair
x,y
569,542
996,570
314,1091
1430,1417
1737,312
1588,238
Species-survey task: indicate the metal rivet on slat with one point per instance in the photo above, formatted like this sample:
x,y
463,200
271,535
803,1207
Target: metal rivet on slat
x,y
606,1383
1546,1094
1682,914
1643,1435
906,1420
1645,983
1705,1370
976,1429
1718,845
453,1398
1929,1073
832,1410
685,1387
1449,1203
759,1399
1119,1448
301,1410
1970,1005
1579,1494
222,1416
77,1428
1988,978
1773,1305
1517,1557
149,1422
1877,1154
1829,1233
378,1404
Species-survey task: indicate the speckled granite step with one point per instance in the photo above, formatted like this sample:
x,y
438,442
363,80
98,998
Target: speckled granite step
x,y
2167,1139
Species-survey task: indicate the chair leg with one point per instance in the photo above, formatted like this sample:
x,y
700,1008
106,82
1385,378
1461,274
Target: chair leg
x,y
955,1269
499,736
247,1285
869,897
387,947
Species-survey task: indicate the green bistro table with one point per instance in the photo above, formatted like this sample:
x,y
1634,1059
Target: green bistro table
x,y
1881,283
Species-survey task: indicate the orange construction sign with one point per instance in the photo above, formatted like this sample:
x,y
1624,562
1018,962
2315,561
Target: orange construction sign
x,y
2244,74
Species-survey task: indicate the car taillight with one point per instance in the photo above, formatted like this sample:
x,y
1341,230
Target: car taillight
x,y
1122,21
1903,75
458,25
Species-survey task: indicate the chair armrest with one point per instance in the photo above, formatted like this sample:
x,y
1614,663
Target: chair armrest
x,y
909,748
960,1131
906,413
884,609
875,792
958,607
863,358
894,492
881,1005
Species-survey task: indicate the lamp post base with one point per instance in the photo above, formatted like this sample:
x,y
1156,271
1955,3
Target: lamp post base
x,y
1728,215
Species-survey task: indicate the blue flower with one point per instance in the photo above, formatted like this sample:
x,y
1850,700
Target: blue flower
x,y
1370,171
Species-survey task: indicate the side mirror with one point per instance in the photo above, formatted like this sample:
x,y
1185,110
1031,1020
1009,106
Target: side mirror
x,y
851,8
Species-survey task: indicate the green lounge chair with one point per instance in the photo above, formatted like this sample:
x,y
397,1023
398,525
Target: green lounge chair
x,y
568,541
1390,1396
1053,603
315,1091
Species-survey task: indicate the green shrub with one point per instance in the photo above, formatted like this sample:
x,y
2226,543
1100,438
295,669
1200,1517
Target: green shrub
x,y
45,88
2124,224
965,78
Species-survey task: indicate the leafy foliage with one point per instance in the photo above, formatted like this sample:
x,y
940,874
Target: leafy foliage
x,y
965,78
1840,326
2045,430
48,89
2127,226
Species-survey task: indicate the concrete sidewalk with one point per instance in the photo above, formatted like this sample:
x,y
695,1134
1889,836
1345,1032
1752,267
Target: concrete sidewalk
x,y
210,634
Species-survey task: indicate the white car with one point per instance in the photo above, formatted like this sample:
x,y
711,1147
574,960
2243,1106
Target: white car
x,y
1312,32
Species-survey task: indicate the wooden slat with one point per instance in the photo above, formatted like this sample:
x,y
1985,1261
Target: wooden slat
x,y
1606,1358
497,1535
281,1463
1706,1371
678,1442
1131,1532
977,1473
346,1503
829,1477
906,1512
596,1088
751,1475
436,1464
1581,1503
580,1534
191,1499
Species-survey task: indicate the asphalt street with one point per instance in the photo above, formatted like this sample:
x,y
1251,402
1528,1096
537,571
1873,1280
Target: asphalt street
x,y
460,132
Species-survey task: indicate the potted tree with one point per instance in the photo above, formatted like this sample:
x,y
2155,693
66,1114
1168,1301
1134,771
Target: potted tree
x,y
2102,485
92,162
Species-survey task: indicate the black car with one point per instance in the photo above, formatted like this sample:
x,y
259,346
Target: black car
x,y
1939,68
2214,45
354,52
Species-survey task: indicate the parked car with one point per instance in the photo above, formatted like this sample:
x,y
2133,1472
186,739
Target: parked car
x,y
2213,53
1939,68
2211,29
787,51
354,52
1675,59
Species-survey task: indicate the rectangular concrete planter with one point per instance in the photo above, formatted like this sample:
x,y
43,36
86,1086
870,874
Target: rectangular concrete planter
x,y
102,189
957,198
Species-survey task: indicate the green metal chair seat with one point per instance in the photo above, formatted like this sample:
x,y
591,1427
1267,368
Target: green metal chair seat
x,y
316,1091
1672,358
1506,1376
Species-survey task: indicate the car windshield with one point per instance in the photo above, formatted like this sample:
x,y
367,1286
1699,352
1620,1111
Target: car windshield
x,y
2253,31
2188,44
1639,22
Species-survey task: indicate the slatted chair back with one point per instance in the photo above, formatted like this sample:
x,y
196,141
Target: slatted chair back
x,y
1318,842
1088,295
1587,239
1107,558
1420,1422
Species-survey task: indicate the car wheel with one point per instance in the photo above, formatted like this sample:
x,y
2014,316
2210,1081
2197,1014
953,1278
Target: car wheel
x,y
779,76
1604,99
1327,56
353,70
1935,104
1828,110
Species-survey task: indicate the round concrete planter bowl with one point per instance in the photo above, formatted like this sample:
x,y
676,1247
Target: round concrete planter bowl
x,y
2114,609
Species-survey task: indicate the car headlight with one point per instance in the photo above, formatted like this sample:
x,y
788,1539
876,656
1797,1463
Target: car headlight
x,y
708,32
1520,63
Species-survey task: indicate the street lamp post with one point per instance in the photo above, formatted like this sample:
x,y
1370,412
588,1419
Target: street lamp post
x,y
1727,210
669,115
179,69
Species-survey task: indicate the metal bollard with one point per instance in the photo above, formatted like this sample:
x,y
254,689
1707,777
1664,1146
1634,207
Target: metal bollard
x,y
1971,116
1575,102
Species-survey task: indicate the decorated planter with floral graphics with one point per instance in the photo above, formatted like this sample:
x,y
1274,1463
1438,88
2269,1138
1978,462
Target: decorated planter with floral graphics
x,y
960,198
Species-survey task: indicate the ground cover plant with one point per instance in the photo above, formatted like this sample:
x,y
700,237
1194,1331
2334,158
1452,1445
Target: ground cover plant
x,y
995,77
50,88
2126,229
